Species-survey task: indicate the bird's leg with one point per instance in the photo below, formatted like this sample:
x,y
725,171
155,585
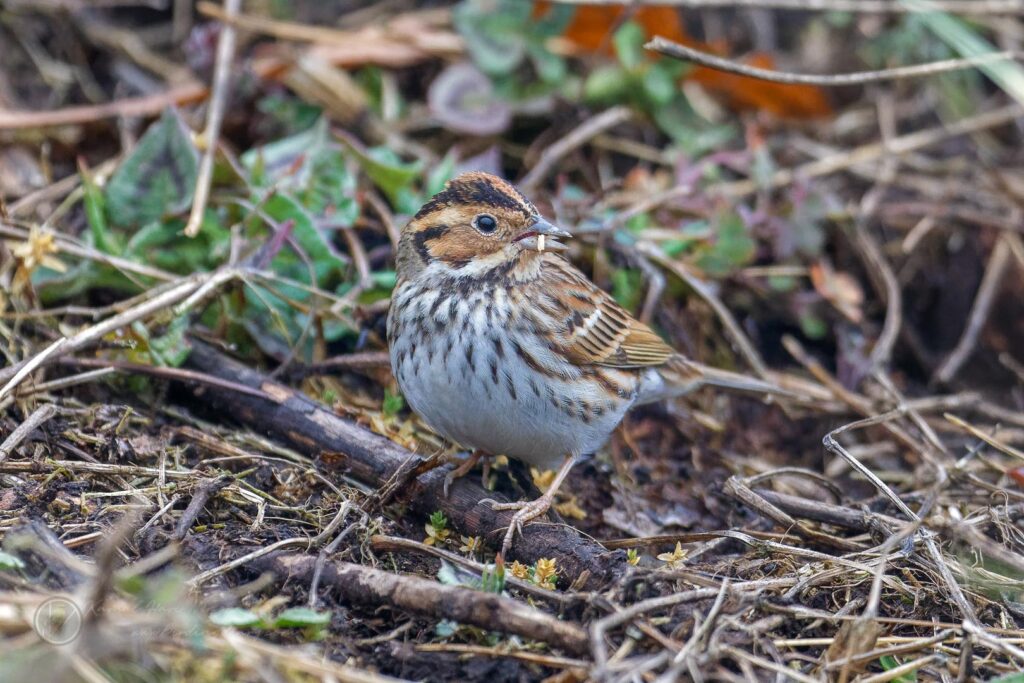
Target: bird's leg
x,y
462,470
530,510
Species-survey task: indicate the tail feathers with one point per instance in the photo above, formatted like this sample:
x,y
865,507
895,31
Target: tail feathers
x,y
680,376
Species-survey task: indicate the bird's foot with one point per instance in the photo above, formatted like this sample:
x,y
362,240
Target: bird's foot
x,y
464,468
526,511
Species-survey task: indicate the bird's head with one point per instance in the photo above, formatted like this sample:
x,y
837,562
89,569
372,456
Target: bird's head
x,y
476,224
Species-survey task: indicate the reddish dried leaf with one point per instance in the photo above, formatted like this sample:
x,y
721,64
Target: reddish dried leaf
x,y
592,27
840,289
1017,474
743,93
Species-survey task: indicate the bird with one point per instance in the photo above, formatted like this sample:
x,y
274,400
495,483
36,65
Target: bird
x,y
500,344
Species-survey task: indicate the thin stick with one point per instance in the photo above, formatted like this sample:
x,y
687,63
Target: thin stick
x,y
74,248
673,49
904,144
901,670
147,105
22,431
998,263
214,116
747,349
14,374
609,118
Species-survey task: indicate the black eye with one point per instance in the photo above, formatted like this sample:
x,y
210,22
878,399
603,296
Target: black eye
x,y
485,223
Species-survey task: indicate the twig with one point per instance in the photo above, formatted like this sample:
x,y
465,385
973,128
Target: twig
x,y
214,116
870,152
901,670
882,351
977,433
74,248
609,118
22,431
374,588
397,543
147,105
204,492
362,360
14,374
983,300
71,380
177,374
20,371
903,648
673,49
746,349
504,651
404,43
600,627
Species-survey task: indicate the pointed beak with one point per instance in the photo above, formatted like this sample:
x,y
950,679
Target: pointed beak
x,y
543,236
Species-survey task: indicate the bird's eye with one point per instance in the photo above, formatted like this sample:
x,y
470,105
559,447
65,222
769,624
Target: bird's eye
x,y
485,223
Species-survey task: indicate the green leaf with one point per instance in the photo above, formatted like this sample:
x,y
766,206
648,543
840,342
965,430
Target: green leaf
x,y
493,579
302,617
551,68
495,32
282,207
171,349
236,617
393,403
393,176
782,283
813,327
438,520
10,562
287,160
659,85
626,288
629,45
157,178
95,215
1007,74
288,113
606,84
310,167
889,663
440,174
446,628
1008,678
732,248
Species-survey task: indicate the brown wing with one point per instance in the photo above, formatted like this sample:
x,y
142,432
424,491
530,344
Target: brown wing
x,y
592,329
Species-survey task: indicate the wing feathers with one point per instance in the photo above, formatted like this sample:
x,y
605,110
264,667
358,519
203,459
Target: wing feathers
x,y
597,331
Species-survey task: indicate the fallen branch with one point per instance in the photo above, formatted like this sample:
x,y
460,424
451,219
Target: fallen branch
x,y
346,449
361,585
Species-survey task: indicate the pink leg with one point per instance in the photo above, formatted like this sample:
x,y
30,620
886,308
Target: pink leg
x,y
530,510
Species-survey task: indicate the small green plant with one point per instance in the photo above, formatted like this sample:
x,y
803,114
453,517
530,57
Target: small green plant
x,y
312,622
437,529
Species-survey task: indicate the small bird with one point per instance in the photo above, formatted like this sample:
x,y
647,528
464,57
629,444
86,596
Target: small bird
x,y
502,345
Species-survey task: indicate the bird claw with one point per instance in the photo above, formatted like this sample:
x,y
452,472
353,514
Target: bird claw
x,y
526,511
462,470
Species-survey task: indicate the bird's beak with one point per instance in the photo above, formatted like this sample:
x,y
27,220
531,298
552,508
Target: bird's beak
x,y
543,236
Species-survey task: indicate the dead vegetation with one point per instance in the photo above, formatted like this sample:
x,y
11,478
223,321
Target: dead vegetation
x,y
206,473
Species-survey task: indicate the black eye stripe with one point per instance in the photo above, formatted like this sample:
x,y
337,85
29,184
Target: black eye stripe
x,y
485,223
